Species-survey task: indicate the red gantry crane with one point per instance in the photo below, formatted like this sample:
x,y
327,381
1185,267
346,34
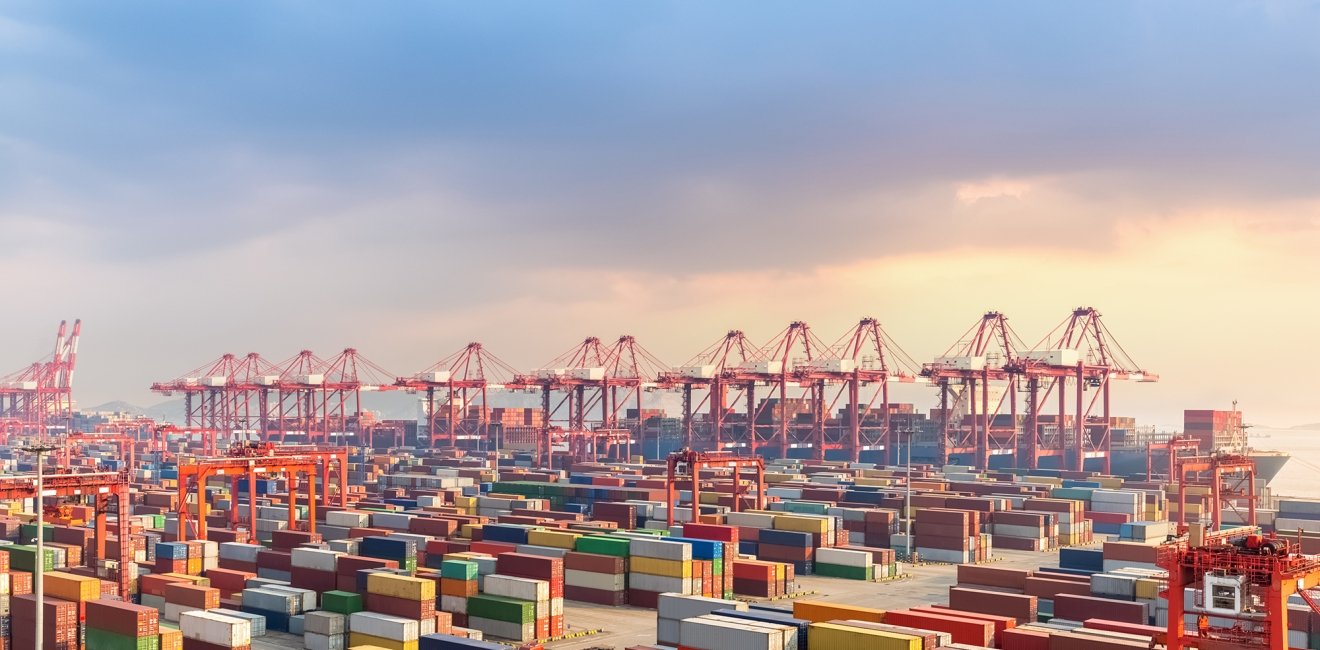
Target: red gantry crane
x,y
970,427
708,370
464,378
227,395
322,399
864,356
40,395
1080,355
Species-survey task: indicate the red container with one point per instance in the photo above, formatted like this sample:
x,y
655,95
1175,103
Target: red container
x,y
432,526
1050,588
988,576
153,584
229,579
182,593
1018,639
164,565
412,609
61,623
963,630
20,583
284,540
711,531
122,618
1134,628
493,548
193,644
640,598
522,565
1020,607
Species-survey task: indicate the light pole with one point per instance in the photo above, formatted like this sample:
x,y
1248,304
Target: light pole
x,y
39,566
907,500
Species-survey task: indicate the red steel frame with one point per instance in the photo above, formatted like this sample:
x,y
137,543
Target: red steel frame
x,y
1218,468
696,461
989,339
194,476
125,443
1172,446
1272,570
463,376
102,487
44,390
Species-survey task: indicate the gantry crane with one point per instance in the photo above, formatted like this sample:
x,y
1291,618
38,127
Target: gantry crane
x,y
109,492
1176,447
1241,583
708,370
126,445
1218,469
319,399
863,356
981,358
40,395
465,377
247,461
1080,354
687,464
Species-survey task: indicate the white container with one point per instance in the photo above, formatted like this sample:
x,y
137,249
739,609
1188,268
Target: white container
x,y
1053,357
173,611
309,380
328,623
348,518
750,519
218,629
272,600
454,604
724,635
961,363
660,584
589,374
696,372
667,631
384,626
314,641
679,606
435,376
307,597
660,549
519,588
593,580
844,557
314,558
790,633
391,520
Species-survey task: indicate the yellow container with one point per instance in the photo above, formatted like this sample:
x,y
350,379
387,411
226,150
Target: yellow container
x,y
367,647
552,538
1148,588
195,566
356,639
801,524
465,531
67,586
818,611
836,636
406,587
658,567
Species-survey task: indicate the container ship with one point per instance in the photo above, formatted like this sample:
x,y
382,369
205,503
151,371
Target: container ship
x,y
1219,431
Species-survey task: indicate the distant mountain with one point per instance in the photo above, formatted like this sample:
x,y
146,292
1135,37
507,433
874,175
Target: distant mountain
x,y
116,407
1314,426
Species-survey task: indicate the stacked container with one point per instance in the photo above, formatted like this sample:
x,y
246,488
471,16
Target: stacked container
x,y
115,625
673,608
383,630
211,631
325,631
657,567
841,563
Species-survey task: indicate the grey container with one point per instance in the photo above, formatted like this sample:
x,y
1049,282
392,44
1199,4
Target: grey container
x,y
258,621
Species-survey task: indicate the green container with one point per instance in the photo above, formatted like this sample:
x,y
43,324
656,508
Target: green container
x,y
103,640
602,545
458,570
409,563
341,602
158,522
806,507
842,571
1074,493
24,558
500,608
29,531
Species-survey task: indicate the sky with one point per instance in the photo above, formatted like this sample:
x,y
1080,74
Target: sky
x,y
198,178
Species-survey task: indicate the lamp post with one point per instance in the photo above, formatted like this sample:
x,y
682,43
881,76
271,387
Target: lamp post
x,y
39,566
907,500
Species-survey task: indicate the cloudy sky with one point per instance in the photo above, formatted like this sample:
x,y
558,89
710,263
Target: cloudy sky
x,y
207,177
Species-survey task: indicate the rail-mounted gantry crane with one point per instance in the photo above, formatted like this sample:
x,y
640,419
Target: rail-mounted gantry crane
x,y
465,379
686,465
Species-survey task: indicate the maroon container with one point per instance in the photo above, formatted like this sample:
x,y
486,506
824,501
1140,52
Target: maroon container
x,y
971,574
305,578
193,644
284,540
349,565
596,596
594,563
275,560
1079,608
522,565
642,598
1019,606
122,618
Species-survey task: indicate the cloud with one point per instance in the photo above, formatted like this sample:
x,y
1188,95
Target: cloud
x,y
993,188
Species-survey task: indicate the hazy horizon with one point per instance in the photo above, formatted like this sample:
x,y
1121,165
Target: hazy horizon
x,y
207,178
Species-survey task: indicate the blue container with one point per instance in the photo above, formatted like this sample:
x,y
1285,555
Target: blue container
x,y
748,548
447,642
172,550
1071,572
275,621
1085,559
387,548
784,538
778,618
507,533
406,504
